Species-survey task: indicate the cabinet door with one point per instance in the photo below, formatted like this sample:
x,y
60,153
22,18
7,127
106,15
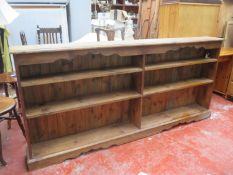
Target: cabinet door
x,y
223,76
230,85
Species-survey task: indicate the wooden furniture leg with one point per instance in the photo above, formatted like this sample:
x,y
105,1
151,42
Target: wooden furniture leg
x,y
9,121
14,85
19,121
7,95
1,155
17,93
6,90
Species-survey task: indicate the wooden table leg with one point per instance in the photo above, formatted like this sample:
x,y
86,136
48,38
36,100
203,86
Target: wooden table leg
x,y
19,121
1,155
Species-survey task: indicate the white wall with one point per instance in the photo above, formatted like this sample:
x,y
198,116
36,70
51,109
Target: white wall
x,y
80,18
37,1
29,18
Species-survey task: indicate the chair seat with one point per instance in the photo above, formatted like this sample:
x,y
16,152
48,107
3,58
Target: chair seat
x,y
7,78
6,104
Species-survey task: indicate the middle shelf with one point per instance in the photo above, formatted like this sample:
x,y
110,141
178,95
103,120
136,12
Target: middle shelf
x,y
73,104
78,76
94,100
176,85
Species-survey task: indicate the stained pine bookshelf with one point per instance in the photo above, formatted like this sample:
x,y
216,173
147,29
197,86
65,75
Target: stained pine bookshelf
x,y
81,97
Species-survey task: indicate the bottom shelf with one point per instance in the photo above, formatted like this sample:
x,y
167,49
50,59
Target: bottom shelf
x,y
58,150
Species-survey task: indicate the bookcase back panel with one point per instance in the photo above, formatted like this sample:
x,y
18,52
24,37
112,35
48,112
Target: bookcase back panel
x,y
204,95
42,94
164,76
169,100
186,53
71,122
208,70
77,64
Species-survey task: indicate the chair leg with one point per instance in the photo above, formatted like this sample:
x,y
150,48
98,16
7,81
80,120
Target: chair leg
x,y
9,121
6,90
17,93
1,155
9,124
19,121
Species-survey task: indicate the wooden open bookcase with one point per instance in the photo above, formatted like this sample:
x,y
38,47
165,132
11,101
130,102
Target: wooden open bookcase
x,y
82,97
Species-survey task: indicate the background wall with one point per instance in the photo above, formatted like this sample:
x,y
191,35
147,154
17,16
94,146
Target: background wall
x,y
37,1
73,15
30,17
79,18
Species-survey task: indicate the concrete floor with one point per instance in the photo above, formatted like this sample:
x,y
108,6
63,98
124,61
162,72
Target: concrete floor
x,y
201,148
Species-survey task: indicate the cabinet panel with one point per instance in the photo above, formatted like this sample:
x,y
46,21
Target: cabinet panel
x,y
230,85
182,20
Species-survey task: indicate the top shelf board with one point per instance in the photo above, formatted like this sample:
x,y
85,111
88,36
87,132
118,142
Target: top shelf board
x,y
96,46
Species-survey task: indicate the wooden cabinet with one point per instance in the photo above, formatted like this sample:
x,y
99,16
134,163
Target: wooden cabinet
x,y
81,97
224,77
182,19
230,86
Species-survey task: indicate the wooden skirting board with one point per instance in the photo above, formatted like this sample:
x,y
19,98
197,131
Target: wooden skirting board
x,y
82,97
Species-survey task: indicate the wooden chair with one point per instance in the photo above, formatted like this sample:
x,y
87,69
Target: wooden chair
x,y
23,38
110,32
49,35
7,79
8,105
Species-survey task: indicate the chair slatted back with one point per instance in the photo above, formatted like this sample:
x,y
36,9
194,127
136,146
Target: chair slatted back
x,y
49,35
23,38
